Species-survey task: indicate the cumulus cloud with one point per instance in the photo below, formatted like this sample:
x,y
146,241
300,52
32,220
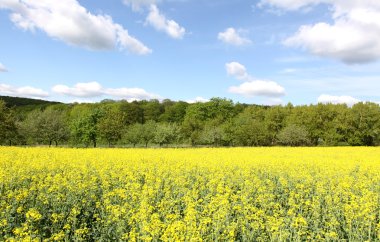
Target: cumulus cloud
x,y
237,70
94,89
89,89
161,23
3,68
273,101
337,99
353,37
258,88
25,91
131,93
252,87
68,21
232,37
198,100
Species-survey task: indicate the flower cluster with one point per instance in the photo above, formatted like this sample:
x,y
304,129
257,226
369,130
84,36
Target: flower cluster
x,y
246,194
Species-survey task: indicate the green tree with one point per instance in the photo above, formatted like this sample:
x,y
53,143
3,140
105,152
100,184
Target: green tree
x,y
213,135
111,126
54,126
45,127
133,134
8,128
148,131
152,110
364,124
132,112
293,135
166,133
250,128
174,112
85,128
29,128
275,121
191,129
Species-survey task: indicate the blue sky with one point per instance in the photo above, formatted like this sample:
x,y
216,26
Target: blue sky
x,y
263,52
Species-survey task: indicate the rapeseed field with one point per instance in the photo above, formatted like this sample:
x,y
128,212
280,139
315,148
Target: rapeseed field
x,y
224,194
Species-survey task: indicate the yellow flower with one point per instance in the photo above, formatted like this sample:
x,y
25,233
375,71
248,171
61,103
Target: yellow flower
x,y
33,214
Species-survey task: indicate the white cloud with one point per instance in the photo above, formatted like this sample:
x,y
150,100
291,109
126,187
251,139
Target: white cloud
x,y
252,87
258,88
273,101
353,37
25,91
348,40
94,89
198,100
137,5
79,100
289,4
232,37
130,93
337,99
68,21
289,71
237,70
3,68
89,89
161,23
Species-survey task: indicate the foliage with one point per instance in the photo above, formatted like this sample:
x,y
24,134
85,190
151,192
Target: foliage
x,y
147,132
250,128
293,135
21,101
111,127
218,122
8,129
84,129
132,135
166,133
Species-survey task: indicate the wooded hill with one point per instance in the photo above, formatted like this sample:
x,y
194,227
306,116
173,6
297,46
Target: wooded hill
x,y
21,101
219,122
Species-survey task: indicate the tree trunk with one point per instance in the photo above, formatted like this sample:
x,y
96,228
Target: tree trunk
x,y
94,143
50,143
10,142
56,143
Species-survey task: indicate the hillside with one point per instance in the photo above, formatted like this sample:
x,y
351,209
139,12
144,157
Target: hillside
x,y
21,101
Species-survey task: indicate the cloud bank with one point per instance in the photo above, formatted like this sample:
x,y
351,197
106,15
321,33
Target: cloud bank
x,y
350,101
94,89
68,21
198,100
25,91
352,38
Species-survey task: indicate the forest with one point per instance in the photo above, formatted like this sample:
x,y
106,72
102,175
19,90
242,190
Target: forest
x,y
167,123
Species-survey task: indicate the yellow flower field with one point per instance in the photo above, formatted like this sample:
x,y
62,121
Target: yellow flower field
x,y
226,194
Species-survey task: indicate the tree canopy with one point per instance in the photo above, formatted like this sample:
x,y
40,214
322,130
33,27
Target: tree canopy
x,y
218,122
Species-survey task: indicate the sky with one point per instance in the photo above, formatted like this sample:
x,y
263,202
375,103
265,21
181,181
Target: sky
x,y
267,52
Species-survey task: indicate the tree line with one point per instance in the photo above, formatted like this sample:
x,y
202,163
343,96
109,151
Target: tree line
x,y
218,122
